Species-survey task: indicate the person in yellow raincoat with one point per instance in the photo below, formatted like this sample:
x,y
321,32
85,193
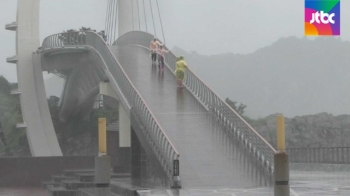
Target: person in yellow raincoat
x,y
181,67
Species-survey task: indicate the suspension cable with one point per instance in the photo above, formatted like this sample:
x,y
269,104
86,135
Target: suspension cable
x,y
116,20
138,14
113,18
107,16
154,26
144,12
132,13
161,24
111,21
107,26
110,36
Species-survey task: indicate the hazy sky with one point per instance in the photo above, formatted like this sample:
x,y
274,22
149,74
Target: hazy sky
x,y
205,26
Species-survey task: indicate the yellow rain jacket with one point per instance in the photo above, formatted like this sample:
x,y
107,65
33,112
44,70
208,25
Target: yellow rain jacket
x,y
182,65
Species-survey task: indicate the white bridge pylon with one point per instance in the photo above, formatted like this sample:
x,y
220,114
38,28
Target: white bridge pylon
x,y
37,121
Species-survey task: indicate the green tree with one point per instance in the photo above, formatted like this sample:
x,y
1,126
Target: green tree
x,y
232,104
10,115
17,143
5,86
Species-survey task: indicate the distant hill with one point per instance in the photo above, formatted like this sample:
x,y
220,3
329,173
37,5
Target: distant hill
x,y
293,76
308,131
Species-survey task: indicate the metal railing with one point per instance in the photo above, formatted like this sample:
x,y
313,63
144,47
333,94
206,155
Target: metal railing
x,y
229,118
333,155
157,138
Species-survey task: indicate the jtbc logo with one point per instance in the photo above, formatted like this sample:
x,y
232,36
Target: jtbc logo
x,y
317,16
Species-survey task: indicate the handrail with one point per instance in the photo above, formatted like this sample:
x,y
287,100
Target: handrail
x,y
305,148
328,155
157,138
256,144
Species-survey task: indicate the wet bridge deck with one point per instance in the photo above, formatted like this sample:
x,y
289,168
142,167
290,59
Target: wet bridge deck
x,y
209,158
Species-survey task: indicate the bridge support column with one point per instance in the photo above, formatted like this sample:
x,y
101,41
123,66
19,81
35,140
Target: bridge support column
x,y
102,162
124,130
36,115
124,139
127,16
281,174
281,162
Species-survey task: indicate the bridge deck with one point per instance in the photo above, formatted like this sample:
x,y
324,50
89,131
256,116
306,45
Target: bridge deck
x,y
208,157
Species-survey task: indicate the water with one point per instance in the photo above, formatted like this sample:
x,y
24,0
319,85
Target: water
x,y
302,183
320,183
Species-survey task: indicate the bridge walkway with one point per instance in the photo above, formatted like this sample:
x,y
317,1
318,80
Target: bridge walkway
x,y
209,157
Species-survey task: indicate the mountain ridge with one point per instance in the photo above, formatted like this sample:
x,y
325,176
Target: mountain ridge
x,y
293,76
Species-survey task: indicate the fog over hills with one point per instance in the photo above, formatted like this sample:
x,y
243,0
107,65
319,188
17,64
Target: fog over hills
x,y
293,76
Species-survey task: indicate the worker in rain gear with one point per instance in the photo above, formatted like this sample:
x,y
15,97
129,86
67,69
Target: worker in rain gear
x,y
181,67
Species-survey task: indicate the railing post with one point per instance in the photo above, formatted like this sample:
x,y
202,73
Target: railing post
x,y
176,181
314,155
281,161
342,155
324,157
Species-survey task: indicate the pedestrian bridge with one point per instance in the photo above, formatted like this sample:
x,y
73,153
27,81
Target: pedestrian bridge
x,y
193,127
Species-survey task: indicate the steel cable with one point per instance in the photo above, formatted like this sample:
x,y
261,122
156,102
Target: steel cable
x,y
144,12
132,14
154,26
116,21
108,16
138,14
113,18
161,24
110,36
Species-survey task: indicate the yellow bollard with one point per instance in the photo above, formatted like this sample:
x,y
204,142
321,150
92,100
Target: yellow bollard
x,y
281,161
281,140
102,136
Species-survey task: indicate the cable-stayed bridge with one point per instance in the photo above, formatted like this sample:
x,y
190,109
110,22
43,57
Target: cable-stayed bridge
x,y
188,135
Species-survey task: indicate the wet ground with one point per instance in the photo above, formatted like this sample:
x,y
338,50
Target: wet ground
x,y
302,184
320,183
23,191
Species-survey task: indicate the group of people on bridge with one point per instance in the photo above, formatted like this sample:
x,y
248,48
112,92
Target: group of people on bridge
x,y
157,49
